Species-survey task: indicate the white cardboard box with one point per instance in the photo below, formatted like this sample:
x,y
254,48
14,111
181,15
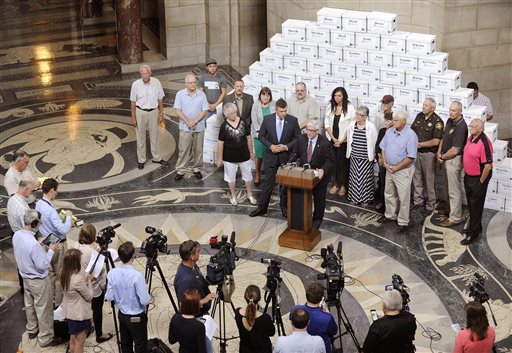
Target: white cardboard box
x,y
381,22
435,63
311,80
443,113
270,59
294,29
412,112
405,61
354,21
463,95
368,41
491,130
420,44
343,70
306,50
330,83
499,150
372,103
279,44
322,98
395,43
399,106
343,38
449,81
392,76
251,87
284,78
329,52
405,95
277,92
260,73
355,56
415,79
329,17
503,170
367,73
474,112
380,58
356,88
295,63
317,34
319,67
494,202
438,96
505,189
379,90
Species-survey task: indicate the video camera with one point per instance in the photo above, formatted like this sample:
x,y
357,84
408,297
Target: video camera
x,y
333,265
105,235
477,289
398,283
223,262
273,274
157,241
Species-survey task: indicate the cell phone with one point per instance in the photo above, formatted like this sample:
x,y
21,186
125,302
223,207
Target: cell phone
x,y
51,239
389,287
373,314
79,222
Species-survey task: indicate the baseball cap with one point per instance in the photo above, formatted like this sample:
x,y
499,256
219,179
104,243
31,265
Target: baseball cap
x,y
210,61
387,99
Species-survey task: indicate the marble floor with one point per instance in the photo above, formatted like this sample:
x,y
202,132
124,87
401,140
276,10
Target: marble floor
x,y
64,99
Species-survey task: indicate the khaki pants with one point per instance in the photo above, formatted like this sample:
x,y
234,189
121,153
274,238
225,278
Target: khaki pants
x,y
53,274
147,121
190,155
424,179
453,169
38,296
397,194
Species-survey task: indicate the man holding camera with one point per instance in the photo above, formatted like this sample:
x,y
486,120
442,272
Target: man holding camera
x,y
33,264
321,322
127,288
395,331
189,276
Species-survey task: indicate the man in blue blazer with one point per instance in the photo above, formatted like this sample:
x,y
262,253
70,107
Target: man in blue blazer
x,y
279,133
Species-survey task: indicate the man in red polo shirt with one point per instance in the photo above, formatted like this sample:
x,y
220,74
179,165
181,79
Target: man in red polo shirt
x,y
477,173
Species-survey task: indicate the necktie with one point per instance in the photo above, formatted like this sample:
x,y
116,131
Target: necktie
x,y
310,150
279,129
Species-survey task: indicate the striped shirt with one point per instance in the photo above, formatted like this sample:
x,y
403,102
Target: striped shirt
x,y
16,208
359,148
485,101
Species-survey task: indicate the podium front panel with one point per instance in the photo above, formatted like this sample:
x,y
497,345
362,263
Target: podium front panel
x,y
297,203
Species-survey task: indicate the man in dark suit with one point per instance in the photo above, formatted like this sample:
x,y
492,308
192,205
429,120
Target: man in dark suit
x,y
314,150
279,133
243,102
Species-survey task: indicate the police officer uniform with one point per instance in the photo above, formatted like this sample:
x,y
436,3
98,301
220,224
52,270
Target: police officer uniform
x,y
427,128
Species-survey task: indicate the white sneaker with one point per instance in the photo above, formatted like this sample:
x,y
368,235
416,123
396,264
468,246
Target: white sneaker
x,y
252,200
233,201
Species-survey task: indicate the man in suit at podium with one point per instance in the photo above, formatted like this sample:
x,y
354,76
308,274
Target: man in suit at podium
x,y
279,133
315,152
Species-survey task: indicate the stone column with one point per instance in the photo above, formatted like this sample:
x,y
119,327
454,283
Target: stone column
x,y
91,8
129,31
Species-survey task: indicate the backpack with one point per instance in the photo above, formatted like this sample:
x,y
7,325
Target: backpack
x,y
156,345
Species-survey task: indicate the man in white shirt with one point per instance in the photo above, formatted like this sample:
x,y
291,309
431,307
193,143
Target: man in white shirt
x,y
300,341
17,171
481,99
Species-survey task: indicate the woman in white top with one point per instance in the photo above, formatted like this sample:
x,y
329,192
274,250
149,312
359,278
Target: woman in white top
x,y
338,116
361,137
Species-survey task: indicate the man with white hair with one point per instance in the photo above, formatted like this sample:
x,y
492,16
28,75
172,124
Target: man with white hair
x,y
302,106
147,109
394,332
399,150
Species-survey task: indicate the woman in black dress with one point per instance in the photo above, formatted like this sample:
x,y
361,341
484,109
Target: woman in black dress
x,y
255,327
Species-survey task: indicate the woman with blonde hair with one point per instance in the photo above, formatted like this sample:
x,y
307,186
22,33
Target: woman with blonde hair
x,y
255,327
76,302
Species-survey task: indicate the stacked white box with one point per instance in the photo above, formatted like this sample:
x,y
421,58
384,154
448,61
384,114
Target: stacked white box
x,y
354,21
295,63
368,41
420,44
463,95
330,83
395,43
499,150
367,73
443,113
343,38
380,58
306,50
449,81
427,93
270,59
277,92
355,56
319,67
294,29
392,76
251,87
413,111
284,78
494,202
501,198
474,112
503,170
379,90
435,63
329,52
381,22
414,79
281,45
405,95
405,61
356,88
491,130
329,17
317,34
372,103
322,98
343,70
399,106
260,73
311,80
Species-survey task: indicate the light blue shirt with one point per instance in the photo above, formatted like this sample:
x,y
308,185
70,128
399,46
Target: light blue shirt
x,y
50,220
299,342
32,260
127,288
191,106
398,145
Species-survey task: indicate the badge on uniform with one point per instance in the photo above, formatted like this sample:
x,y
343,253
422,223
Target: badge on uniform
x,y
451,131
429,124
439,126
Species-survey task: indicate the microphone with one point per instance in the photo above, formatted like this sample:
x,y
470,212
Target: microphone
x,y
291,158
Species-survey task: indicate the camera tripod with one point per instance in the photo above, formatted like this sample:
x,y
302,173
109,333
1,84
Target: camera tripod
x,y
273,284
152,262
342,318
222,318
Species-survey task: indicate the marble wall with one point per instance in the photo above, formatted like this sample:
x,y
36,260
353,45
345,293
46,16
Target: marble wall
x,y
476,33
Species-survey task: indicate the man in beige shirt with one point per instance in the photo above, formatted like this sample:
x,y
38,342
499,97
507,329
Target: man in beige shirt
x,y
302,106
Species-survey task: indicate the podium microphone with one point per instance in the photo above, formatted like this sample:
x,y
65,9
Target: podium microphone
x,y
291,158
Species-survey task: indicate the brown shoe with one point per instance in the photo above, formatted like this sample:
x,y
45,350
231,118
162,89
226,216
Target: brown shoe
x,y
334,190
447,223
342,191
442,212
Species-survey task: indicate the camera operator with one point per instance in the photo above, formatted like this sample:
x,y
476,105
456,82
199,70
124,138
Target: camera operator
x,y
321,322
127,288
478,335
394,332
300,341
189,276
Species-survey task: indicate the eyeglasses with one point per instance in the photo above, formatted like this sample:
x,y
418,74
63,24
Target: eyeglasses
x,y
312,130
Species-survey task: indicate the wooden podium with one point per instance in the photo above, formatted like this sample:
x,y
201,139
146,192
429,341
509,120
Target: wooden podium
x,y
300,233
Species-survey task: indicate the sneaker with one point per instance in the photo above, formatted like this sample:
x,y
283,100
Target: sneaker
x,y
252,200
233,201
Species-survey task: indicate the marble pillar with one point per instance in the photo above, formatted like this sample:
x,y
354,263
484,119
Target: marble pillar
x,y
91,8
129,31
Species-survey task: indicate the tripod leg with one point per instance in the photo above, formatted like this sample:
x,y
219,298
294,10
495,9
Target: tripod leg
x,y
110,263
166,287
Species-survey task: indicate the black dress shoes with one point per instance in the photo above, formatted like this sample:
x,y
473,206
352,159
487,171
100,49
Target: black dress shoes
x,y
178,177
284,212
257,212
402,229
198,175
104,338
468,239
161,162
140,166
31,336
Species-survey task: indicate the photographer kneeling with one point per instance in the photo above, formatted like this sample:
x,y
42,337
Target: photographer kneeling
x,y
395,331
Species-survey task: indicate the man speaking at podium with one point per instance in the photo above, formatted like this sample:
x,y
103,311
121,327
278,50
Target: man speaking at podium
x,y
315,152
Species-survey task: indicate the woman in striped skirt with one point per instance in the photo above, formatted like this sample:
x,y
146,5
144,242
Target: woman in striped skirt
x,y
361,137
